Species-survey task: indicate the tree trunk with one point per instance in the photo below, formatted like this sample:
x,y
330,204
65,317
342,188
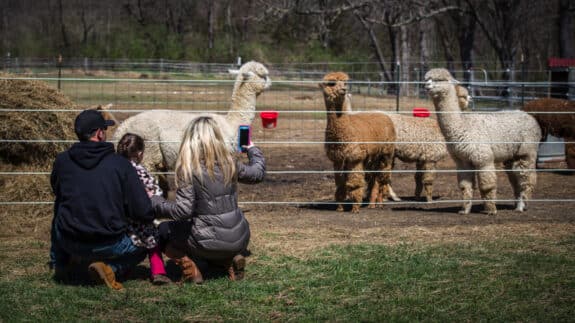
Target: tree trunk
x,y
566,29
65,45
405,56
211,25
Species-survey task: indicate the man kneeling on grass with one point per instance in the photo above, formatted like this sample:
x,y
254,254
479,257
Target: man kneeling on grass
x,y
96,192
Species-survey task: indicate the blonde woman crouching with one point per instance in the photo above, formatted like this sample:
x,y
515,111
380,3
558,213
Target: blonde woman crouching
x,y
209,226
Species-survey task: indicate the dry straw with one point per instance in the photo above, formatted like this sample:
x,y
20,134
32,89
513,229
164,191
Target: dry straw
x,y
30,156
33,125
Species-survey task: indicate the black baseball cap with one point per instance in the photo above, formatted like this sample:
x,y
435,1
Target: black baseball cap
x,y
88,121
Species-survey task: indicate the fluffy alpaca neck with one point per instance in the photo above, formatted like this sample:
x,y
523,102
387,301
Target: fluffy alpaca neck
x,y
334,116
449,116
243,109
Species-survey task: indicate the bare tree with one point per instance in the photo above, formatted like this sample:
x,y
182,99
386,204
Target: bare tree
x,y
456,30
566,24
498,19
393,14
65,43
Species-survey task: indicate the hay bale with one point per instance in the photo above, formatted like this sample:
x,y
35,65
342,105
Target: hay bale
x,y
29,125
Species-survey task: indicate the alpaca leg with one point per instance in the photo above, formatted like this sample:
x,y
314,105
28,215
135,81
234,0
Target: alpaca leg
x,y
418,179
513,176
427,179
340,192
355,186
392,195
488,188
387,166
373,187
465,179
384,181
374,195
525,180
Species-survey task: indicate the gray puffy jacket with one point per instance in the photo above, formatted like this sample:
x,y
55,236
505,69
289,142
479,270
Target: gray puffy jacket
x,y
218,224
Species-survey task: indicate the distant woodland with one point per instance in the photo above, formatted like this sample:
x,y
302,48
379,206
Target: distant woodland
x,y
458,33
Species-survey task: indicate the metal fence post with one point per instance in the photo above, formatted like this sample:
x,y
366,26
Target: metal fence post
x,y
522,81
59,63
398,88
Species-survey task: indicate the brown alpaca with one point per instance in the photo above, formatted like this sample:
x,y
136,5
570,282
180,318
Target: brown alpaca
x,y
105,111
356,142
560,125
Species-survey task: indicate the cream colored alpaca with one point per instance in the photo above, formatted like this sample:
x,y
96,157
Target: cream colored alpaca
x,y
478,141
162,129
419,141
355,142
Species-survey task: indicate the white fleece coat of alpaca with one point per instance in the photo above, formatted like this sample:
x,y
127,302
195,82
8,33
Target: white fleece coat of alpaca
x,y
477,141
420,141
163,129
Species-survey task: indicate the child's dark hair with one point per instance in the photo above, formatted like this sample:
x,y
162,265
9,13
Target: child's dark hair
x,y
129,145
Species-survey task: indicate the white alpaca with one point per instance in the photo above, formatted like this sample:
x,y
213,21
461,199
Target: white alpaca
x,y
419,141
478,141
162,129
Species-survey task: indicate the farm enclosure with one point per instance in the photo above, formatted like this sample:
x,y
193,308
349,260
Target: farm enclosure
x,y
300,177
294,228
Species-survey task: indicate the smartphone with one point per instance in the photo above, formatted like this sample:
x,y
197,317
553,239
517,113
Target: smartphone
x,y
244,137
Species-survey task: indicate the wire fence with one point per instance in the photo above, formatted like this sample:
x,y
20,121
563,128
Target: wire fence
x,y
297,99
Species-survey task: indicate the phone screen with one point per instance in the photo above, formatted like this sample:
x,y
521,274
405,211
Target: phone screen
x,y
244,137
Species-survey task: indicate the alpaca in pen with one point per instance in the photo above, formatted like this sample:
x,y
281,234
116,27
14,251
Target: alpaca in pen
x,y
419,141
561,124
355,142
478,140
162,129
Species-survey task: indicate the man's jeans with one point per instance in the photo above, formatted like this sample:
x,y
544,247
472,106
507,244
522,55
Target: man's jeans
x,y
122,255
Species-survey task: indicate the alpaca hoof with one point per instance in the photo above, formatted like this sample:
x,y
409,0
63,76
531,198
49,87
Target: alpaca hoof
x,y
355,209
490,209
429,199
395,199
371,206
339,208
464,212
520,207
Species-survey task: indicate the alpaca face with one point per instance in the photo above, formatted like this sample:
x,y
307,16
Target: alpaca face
x,y
255,77
438,82
463,97
334,86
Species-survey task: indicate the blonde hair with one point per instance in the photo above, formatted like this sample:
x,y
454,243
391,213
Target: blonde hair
x,y
203,146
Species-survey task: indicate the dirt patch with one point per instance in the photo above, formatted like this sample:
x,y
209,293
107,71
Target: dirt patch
x,y
300,214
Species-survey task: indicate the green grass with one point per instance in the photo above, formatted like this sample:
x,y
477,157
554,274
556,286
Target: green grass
x,y
496,281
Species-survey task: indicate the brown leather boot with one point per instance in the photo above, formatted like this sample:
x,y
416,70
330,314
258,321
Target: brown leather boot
x,y
189,270
237,269
103,274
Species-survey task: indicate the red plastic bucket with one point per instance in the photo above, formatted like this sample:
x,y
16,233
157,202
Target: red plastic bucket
x,y
269,119
421,112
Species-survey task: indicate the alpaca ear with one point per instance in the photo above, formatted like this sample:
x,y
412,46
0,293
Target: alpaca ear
x,y
248,75
321,85
106,107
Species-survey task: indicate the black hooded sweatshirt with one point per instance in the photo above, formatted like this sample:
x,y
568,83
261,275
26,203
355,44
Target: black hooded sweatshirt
x,y
96,192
